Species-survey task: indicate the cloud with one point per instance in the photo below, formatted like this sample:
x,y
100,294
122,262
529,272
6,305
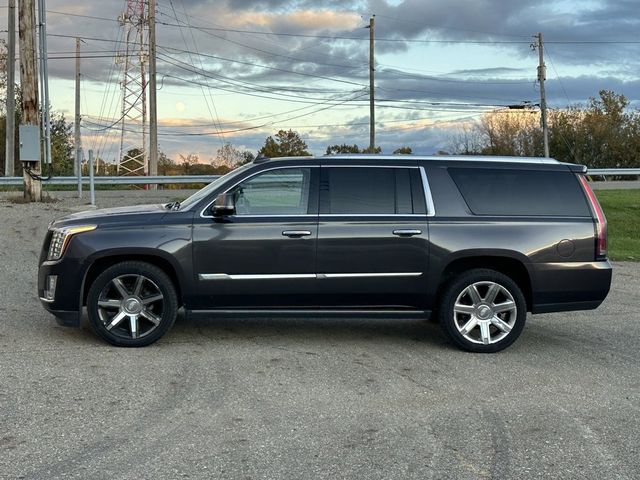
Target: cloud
x,y
291,70
307,21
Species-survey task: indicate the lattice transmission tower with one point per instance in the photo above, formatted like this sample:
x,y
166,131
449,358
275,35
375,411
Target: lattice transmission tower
x,y
134,56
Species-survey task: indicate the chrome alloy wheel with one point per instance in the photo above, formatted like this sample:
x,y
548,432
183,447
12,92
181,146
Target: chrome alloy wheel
x,y
485,312
131,306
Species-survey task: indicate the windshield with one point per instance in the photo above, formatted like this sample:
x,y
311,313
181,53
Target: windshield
x,y
204,192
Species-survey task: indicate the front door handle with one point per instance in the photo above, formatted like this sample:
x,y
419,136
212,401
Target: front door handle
x,y
296,233
407,232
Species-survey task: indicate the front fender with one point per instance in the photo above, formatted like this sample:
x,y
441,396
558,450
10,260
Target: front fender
x,y
168,246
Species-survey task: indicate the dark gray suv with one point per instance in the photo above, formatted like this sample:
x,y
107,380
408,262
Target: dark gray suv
x,y
475,241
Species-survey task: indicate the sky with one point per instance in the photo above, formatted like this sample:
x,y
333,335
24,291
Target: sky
x,y
237,71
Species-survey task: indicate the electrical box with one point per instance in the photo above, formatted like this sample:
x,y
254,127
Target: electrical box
x,y
29,143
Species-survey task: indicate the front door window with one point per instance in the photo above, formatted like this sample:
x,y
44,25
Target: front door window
x,y
283,191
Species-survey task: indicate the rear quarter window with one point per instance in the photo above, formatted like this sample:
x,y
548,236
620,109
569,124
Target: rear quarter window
x,y
520,192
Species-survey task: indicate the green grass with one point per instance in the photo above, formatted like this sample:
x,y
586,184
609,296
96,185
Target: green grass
x,y
622,208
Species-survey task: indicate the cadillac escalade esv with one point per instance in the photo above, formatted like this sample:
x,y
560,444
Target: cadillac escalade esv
x,y
476,242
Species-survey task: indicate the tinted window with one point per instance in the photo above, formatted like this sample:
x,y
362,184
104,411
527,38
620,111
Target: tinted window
x,y
520,192
206,191
361,190
275,192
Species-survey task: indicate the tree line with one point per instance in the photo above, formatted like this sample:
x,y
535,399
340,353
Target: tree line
x,y
603,134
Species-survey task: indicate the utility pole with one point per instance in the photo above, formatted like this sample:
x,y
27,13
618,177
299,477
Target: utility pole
x,y
372,108
153,112
44,82
77,166
29,85
10,133
542,76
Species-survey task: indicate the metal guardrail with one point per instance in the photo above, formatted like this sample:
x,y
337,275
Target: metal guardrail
x,y
184,179
613,171
109,180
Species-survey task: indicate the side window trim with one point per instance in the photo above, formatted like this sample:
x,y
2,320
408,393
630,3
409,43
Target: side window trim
x,y
313,192
431,209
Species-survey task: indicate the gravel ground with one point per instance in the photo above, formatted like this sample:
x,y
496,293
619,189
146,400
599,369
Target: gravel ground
x,y
309,398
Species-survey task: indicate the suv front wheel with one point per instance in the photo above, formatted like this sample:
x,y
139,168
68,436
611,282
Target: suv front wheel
x,y
132,304
482,311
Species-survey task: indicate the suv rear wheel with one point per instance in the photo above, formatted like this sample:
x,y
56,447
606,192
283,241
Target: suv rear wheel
x,y
132,304
482,311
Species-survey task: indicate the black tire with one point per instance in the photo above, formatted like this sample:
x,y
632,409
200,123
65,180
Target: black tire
x,y
153,320
501,327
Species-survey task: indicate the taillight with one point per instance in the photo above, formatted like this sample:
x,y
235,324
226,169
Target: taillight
x,y
601,221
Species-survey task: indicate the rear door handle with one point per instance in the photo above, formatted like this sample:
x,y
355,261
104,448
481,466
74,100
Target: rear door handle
x,y
296,233
407,232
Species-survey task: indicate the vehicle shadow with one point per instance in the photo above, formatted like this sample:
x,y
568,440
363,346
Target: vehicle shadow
x,y
311,329
257,329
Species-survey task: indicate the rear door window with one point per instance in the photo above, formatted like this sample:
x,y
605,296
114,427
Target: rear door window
x,y
520,192
366,191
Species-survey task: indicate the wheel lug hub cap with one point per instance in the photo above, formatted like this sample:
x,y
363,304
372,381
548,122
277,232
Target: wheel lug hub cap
x,y
484,312
132,305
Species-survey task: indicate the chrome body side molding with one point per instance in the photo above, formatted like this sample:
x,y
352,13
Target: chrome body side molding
x,y
275,276
288,276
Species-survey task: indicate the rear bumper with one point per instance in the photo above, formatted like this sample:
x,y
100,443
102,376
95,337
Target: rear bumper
x,y
561,287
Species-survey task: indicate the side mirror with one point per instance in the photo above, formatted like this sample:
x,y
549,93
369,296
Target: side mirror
x,y
223,206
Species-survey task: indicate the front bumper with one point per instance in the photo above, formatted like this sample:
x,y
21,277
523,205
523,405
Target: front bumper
x,y
67,302
559,287
65,318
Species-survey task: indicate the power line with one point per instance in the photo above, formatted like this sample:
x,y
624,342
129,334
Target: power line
x,y
299,73
421,70
254,127
249,47
69,14
289,97
338,80
216,57
451,80
400,40
67,57
115,94
218,127
267,67
328,104
304,126
236,83
332,125
124,114
422,24
262,117
431,92
257,32
340,37
557,76
445,104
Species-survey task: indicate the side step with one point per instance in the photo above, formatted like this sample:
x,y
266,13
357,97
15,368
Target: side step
x,y
333,313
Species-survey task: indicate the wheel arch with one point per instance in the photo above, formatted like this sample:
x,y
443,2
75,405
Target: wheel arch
x,y
99,264
507,264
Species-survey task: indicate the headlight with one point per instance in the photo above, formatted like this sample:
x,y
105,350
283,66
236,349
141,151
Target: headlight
x,y
61,237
